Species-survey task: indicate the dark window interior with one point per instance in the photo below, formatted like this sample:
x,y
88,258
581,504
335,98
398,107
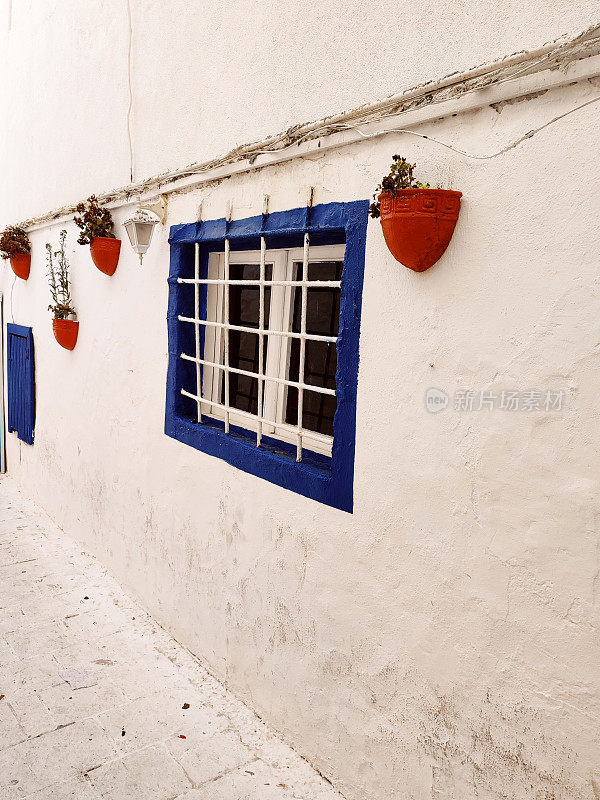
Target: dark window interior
x,y
244,306
320,364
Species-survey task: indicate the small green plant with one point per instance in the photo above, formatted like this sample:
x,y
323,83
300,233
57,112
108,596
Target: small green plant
x,y
93,220
13,241
400,177
58,277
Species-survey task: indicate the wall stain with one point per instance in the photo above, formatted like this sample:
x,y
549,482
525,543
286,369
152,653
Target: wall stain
x,y
492,756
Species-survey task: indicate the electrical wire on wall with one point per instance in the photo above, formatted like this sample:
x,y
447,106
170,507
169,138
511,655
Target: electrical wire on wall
x,y
327,130
554,58
12,316
341,127
508,147
330,129
130,87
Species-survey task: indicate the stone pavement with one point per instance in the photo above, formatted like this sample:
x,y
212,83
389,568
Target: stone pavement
x,y
97,702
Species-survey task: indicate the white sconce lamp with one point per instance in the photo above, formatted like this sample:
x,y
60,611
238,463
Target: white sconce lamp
x,y
140,226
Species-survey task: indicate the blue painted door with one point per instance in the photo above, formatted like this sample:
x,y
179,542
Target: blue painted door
x,y
21,381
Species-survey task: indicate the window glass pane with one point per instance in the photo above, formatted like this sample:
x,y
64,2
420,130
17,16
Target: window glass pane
x,y
244,307
320,361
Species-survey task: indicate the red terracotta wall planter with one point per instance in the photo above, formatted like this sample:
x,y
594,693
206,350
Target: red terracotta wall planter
x,y
21,264
65,332
418,224
105,253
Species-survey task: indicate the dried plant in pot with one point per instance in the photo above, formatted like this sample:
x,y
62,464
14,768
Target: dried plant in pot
x,y
15,245
65,327
417,221
96,226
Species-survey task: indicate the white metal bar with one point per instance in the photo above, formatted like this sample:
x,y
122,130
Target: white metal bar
x,y
227,329
261,336
261,376
213,336
302,344
276,344
313,337
197,327
220,281
319,437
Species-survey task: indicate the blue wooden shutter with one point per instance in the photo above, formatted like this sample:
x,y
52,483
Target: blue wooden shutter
x,y
21,381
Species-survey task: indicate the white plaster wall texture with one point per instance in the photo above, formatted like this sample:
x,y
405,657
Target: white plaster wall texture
x,y
451,651
442,641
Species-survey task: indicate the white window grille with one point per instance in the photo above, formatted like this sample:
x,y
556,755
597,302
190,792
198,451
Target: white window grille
x,y
275,299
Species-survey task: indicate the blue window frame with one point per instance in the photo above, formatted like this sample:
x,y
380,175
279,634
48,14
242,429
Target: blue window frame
x,y
21,381
325,479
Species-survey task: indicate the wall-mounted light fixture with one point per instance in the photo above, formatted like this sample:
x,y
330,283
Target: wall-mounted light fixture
x,y
140,226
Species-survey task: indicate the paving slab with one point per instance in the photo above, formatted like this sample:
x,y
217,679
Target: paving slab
x,y
97,702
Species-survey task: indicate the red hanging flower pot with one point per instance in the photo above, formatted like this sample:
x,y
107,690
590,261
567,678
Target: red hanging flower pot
x,y
418,224
105,253
65,332
21,264
15,245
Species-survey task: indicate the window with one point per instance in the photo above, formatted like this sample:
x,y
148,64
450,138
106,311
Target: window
x,y
298,359
21,381
263,339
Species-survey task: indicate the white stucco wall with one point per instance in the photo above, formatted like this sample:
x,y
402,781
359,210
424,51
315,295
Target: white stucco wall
x,y
440,642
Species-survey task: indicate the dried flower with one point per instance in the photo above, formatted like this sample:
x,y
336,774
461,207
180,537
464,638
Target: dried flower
x,y
93,221
58,277
14,240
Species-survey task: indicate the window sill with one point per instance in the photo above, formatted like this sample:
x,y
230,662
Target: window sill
x,y
272,461
276,447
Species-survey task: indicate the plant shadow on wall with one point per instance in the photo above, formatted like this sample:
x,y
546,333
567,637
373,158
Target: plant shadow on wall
x,y
96,225
15,245
417,221
64,326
